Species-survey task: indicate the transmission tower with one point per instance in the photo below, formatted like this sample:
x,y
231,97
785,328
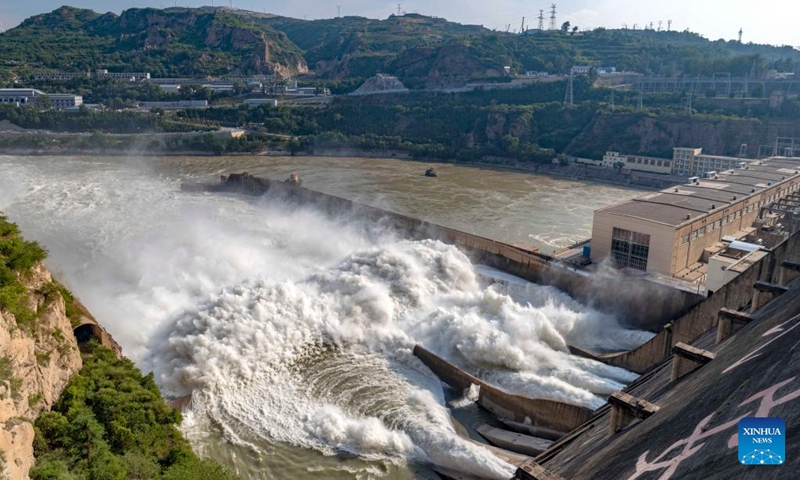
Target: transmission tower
x,y
541,20
338,11
669,25
553,16
399,9
569,96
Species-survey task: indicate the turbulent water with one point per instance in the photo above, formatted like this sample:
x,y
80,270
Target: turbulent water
x,y
293,332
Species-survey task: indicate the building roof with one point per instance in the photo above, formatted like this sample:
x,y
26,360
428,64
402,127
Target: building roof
x,y
683,203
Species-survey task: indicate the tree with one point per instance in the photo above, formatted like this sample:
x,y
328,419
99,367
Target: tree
x,y
565,27
44,102
574,29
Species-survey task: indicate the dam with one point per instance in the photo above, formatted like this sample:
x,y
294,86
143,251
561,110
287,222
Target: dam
x,y
545,429
296,327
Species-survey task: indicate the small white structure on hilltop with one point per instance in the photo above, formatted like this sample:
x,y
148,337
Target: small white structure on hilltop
x,y
381,83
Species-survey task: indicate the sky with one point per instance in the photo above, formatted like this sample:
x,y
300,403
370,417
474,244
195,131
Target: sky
x,y
765,21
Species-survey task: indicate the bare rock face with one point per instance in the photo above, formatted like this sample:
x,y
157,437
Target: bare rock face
x,y
36,363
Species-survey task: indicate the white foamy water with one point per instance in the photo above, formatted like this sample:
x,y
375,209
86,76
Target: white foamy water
x,y
290,328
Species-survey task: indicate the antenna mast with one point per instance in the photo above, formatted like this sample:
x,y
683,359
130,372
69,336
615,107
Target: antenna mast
x,y
553,17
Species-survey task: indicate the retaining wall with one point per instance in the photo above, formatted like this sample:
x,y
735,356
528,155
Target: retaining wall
x,y
541,413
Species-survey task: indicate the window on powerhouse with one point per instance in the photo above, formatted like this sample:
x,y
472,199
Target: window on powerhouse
x,y
630,249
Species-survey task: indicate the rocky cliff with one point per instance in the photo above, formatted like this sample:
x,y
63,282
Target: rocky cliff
x,y
37,360
39,351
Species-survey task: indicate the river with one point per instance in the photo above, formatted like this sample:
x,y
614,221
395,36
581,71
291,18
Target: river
x,y
293,331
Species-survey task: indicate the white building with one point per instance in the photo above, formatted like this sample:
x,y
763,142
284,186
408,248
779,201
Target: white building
x,y
638,162
581,69
59,76
692,162
62,101
176,104
30,96
170,88
125,76
254,102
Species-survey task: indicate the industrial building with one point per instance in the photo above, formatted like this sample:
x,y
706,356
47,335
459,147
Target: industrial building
x,y
685,161
30,96
638,162
126,76
60,76
175,104
676,231
692,161
254,102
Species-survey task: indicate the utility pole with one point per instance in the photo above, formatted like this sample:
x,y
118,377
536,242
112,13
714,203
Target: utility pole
x,y
553,17
612,100
569,97
522,26
639,105
541,20
689,104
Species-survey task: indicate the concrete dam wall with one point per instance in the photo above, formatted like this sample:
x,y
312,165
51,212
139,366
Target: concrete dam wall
x,y
642,305
735,295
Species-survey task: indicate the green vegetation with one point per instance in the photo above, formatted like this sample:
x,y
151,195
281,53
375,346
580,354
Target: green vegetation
x,y
17,257
422,51
107,121
111,423
171,42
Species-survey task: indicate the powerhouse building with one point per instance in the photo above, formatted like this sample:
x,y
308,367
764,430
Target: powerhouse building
x,y
669,231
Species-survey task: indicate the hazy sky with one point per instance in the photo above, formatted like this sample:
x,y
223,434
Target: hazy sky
x,y
765,21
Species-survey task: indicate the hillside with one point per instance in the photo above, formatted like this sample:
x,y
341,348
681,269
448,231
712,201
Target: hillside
x,y
170,42
421,51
